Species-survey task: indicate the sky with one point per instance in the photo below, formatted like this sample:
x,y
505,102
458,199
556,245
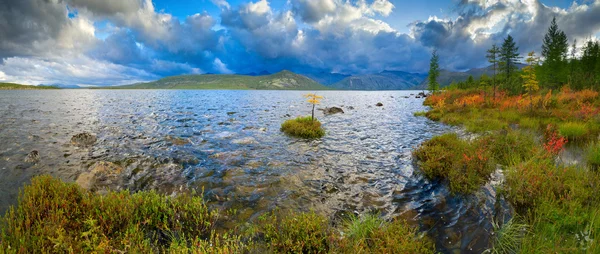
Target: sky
x,y
117,42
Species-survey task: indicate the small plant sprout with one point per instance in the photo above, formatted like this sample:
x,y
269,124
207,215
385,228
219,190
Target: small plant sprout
x,y
313,99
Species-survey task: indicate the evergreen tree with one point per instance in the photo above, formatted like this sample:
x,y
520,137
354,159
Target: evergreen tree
x,y
554,51
573,65
492,57
470,82
509,58
530,82
434,72
589,63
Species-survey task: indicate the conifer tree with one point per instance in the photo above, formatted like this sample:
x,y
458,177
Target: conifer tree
x,y
434,72
554,51
509,58
492,56
530,82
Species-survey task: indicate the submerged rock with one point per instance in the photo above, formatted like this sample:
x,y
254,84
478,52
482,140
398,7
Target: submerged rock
x,y
83,139
33,157
379,104
177,141
245,141
100,175
333,110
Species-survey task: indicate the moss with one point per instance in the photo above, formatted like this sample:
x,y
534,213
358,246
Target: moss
x,y
303,127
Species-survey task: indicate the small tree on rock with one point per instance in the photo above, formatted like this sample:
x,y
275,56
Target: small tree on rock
x,y
313,99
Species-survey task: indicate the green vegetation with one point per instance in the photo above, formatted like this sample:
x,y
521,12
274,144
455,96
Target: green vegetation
x,y
303,127
53,216
434,72
507,237
466,165
284,80
524,126
12,86
573,130
593,156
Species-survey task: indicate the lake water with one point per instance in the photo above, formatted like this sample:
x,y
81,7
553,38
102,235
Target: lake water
x,y
228,144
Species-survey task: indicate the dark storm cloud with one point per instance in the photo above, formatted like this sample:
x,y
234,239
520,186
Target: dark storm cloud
x,y
61,37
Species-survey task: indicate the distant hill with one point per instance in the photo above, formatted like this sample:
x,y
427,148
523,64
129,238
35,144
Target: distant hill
x,y
284,80
62,86
327,79
12,86
447,77
386,80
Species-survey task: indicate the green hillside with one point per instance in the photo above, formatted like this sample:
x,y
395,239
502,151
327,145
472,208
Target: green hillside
x,y
284,80
12,86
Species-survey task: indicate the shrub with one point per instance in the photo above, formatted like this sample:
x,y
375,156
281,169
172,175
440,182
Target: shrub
x,y
573,130
62,217
593,156
303,127
466,165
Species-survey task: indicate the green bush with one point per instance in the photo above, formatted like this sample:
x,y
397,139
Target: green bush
x,y
303,127
573,130
466,165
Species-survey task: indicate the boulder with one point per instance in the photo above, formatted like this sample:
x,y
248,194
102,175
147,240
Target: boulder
x,y
83,139
333,110
379,104
33,157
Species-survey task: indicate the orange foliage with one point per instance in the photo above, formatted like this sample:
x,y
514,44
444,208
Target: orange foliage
x,y
567,95
471,100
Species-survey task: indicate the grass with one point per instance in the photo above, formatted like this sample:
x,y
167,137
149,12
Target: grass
x,y
303,127
53,216
420,113
573,131
508,237
593,156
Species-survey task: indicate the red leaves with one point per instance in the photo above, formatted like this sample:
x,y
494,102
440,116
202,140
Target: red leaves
x,y
554,141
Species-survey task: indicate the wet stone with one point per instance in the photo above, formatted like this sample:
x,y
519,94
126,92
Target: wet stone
x,y
83,139
333,110
100,175
33,157
379,104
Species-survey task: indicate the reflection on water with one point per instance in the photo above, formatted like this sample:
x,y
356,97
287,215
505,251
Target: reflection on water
x,y
228,144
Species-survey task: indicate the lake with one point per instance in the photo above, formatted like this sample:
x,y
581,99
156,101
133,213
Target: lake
x,y
227,144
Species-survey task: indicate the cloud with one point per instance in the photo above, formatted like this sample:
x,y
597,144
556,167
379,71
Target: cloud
x,y
75,70
125,41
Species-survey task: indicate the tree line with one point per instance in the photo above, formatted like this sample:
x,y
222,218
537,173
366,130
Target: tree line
x,y
558,65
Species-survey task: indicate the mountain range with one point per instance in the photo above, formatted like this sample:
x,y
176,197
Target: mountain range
x,y
284,80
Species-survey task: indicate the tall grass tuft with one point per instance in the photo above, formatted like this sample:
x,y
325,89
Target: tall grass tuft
x,y
573,130
507,237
